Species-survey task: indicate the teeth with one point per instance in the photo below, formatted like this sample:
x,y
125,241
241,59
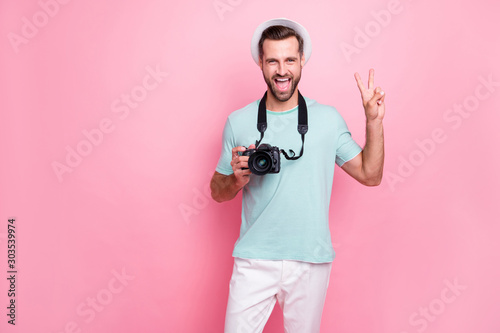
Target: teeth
x,y
282,80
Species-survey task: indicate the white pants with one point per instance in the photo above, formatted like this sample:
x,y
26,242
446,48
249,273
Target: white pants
x,y
299,287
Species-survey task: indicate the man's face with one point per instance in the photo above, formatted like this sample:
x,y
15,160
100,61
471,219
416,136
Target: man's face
x,y
281,66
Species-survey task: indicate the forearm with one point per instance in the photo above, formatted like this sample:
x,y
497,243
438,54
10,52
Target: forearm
x,y
224,187
373,152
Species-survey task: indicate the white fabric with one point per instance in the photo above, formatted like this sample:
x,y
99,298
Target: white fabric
x,y
255,286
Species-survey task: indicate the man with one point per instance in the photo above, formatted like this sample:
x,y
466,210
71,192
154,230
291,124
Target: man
x,y
284,252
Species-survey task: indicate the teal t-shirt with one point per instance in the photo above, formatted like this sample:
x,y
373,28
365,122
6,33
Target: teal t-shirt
x,y
285,215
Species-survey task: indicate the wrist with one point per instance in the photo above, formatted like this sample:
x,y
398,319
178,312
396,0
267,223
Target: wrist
x,y
236,183
374,122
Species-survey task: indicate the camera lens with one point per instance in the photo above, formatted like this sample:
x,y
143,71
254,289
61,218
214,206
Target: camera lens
x,y
259,163
262,162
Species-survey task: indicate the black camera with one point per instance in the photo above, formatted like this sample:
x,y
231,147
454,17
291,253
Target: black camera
x,y
264,159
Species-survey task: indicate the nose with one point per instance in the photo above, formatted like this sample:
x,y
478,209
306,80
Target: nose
x,y
281,70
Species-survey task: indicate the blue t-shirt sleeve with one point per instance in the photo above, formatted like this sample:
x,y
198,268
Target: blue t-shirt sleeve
x,y
347,148
228,143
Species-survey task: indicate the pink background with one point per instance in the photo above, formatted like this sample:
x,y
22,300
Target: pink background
x,y
137,204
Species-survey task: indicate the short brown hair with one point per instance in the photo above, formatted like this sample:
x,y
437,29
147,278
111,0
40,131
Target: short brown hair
x,y
280,32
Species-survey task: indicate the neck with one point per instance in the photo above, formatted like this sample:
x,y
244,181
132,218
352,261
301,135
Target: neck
x,y
276,105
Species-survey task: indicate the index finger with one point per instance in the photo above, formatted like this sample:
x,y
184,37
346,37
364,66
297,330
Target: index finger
x,y
359,82
235,151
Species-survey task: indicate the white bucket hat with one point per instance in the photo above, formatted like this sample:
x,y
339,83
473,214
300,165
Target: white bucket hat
x,y
287,23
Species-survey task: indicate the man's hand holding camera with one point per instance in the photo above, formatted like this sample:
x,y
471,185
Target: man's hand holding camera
x,y
239,164
224,187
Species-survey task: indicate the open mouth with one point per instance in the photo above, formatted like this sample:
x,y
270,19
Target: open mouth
x,y
282,83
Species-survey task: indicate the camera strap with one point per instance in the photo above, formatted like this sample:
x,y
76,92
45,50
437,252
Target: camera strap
x,y
301,127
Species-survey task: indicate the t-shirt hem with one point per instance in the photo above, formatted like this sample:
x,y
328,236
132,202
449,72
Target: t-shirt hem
x,y
347,159
284,257
223,171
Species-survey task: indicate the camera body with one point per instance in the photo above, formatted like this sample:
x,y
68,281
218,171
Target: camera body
x,y
264,159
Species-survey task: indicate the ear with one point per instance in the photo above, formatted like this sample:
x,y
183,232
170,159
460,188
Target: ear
x,y
260,63
303,60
